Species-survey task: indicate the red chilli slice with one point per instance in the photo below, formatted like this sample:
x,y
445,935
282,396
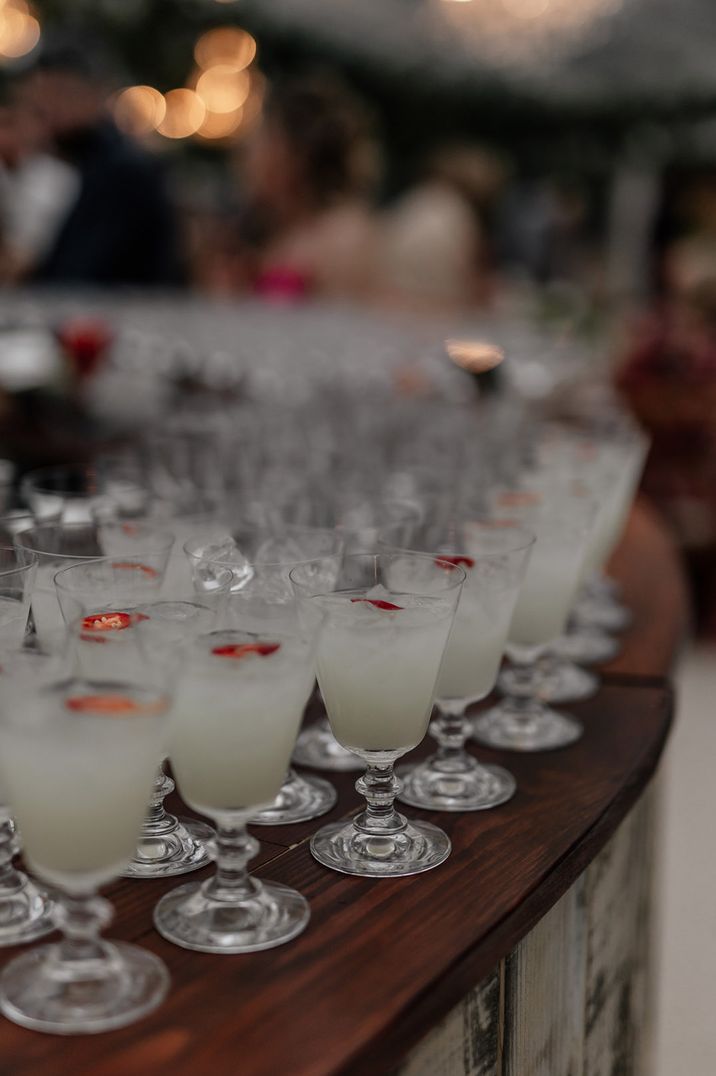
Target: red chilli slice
x,y
104,704
448,561
127,565
379,604
243,650
101,622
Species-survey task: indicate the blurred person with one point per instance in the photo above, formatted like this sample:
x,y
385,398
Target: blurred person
x,y
667,374
309,170
435,243
36,191
120,228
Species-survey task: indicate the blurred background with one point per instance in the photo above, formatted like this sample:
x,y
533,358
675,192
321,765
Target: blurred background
x,y
231,197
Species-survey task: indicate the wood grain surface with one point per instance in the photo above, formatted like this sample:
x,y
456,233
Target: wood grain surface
x,y
383,961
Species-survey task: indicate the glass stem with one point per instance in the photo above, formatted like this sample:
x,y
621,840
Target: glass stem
x,y
10,880
379,786
235,847
451,729
81,920
158,822
524,702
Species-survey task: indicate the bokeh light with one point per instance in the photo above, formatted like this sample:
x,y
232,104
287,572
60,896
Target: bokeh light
x,y
139,110
185,113
218,125
223,88
19,29
226,45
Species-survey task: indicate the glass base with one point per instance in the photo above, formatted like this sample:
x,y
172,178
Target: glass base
x,y
106,994
189,917
565,682
542,729
185,848
604,612
300,799
587,646
417,847
24,912
467,786
318,748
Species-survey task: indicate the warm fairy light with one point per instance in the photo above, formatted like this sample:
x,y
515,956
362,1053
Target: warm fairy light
x,y
185,113
524,31
222,88
139,109
221,124
226,45
19,30
475,356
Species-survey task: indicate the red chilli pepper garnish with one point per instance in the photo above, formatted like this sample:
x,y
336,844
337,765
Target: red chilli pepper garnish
x,y
379,604
101,622
243,650
105,704
448,561
151,573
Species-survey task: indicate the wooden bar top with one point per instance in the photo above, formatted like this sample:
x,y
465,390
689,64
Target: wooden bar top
x,y
383,960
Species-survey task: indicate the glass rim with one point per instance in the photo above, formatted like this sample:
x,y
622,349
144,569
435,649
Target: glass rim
x,y
526,541
166,537
457,574
217,562
29,479
32,560
110,560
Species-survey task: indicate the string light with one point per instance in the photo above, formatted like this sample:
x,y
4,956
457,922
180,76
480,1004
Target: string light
x,y
139,110
185,113
226,45
19,29
222,89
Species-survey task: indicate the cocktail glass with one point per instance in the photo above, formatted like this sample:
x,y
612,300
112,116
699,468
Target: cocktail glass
x,y
261,585
77,759
18,572
494,558
384,630
58,545
239,704
522,721
106,601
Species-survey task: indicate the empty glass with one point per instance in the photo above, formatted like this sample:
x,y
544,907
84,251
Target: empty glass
x,y
383,631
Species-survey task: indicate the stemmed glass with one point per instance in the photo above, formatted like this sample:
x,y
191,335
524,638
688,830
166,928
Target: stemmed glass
x,y
239,704
77,759
522,721
58,545
384,628
107,601
24,909
274,551
359,520
494,558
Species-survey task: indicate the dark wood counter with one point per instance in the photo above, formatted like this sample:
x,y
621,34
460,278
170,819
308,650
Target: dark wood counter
x,y
383,961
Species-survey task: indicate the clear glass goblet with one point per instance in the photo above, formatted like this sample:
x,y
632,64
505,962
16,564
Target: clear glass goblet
x,y
107,601
77,759
239,703
25,909
522,721
494,558
560,680
261,585
383,632
58,545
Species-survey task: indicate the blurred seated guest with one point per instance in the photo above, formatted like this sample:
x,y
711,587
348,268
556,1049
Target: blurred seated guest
x,y
435,243
668,376
308,173
120,229
36,191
